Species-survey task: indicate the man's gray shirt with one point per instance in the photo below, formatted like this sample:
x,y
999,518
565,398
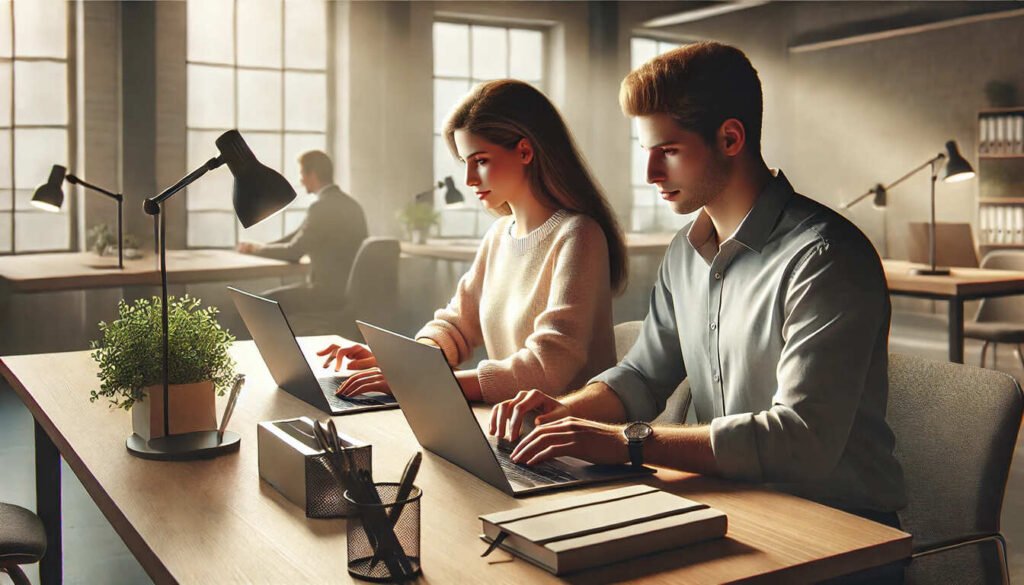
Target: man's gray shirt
x,y
783,335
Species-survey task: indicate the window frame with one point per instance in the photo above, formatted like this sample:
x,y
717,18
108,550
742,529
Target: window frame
x,y
328,128
542,84
70,128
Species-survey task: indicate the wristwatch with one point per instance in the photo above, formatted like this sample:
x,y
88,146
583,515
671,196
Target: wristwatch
x,y
636,433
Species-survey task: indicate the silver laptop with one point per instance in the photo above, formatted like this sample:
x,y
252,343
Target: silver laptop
x,y
266,322
443,422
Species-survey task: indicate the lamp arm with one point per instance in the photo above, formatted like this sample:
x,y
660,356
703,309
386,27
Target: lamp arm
x,y
909,174
860,198
926,164
76,181
152,205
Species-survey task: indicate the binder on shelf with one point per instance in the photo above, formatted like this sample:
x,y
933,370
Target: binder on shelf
x,y
578,532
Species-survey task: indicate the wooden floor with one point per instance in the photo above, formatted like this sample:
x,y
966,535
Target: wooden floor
x,y
95,554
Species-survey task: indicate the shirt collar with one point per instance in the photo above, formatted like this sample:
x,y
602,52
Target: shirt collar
x,y
756,227
324,188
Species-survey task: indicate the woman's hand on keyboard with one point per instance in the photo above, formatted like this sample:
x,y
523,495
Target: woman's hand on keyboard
x,y
360,356
366,381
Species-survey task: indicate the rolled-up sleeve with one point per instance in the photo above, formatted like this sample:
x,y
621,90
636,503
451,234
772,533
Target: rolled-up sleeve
x,y
653,368
834,305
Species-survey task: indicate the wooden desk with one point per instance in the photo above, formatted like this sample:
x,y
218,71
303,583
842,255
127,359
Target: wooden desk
x,y
81,270
963,284
463,250
216,522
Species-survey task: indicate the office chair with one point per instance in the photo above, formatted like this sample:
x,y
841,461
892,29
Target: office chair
x,y
22,541
956,428
371,293
999,319
678,405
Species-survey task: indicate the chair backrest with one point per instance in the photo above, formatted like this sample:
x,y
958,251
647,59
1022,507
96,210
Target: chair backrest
x,y
678,404
372,288
956,427
954,244
1003,308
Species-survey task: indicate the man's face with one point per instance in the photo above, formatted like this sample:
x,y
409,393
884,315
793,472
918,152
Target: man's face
x,y
688,172
308,180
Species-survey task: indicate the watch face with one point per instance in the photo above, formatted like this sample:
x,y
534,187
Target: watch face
x,y
638,431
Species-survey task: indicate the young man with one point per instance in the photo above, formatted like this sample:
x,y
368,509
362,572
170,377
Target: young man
x,y
773,307
331,234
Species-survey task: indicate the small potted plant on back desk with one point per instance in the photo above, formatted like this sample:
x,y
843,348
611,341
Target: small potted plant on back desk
x,y
131,375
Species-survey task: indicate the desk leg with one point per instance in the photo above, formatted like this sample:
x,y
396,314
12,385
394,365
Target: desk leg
x,y
956,330
51,567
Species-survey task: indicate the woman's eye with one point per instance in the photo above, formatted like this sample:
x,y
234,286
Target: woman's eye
x,y
481,162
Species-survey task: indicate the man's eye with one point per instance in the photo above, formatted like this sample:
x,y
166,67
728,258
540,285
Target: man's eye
x,y
670,151
481,161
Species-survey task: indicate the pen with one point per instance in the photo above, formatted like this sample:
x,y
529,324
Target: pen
x,y
404,488
230,408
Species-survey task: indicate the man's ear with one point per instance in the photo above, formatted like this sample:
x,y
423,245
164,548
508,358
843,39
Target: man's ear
x,y
732,137
525,151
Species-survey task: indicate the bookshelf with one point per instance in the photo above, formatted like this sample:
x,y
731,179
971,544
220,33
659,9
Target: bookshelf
x,y
1000,179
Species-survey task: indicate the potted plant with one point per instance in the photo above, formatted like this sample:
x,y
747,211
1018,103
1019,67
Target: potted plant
x,y
418,218
131,369
100,237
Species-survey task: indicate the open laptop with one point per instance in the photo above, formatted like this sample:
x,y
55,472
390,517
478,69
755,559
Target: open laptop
x,y
288,364
443,422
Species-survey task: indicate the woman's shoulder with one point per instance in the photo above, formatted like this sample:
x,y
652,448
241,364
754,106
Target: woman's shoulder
x,y
582,226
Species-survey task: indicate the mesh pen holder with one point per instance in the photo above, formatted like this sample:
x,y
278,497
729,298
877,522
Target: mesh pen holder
x,y
401,518
324,495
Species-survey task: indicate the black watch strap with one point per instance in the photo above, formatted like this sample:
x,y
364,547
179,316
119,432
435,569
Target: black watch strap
x,y
636,453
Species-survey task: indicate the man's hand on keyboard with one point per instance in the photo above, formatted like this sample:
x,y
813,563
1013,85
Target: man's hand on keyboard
x,y
576,437
509,418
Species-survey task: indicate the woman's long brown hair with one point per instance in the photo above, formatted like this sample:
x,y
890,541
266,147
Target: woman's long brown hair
x,y
504,112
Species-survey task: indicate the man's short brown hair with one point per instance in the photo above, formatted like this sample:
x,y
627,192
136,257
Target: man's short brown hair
x,y
318,163
700,86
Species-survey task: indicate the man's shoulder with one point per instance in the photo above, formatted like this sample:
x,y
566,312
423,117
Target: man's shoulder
x,y
806,221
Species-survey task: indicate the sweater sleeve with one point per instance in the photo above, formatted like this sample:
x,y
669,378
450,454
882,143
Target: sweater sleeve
x,y
555,353
456,327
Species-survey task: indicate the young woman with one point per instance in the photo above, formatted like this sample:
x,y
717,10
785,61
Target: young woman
x,y
538,294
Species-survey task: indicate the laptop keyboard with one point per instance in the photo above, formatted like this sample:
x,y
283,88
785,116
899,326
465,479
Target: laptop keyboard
x,y
546,473
330,385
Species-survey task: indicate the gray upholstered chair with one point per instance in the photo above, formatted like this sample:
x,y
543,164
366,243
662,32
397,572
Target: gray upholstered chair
x,y
679,403
956,428
371,294
22,541
999,319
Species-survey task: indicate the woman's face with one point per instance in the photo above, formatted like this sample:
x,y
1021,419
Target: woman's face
x,y
496,174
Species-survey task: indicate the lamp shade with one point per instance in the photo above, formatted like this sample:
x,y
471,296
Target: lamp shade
x,y
957,167
49,195
260,191
452,196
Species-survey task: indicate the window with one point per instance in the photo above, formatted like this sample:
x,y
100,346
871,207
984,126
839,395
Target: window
x,y
34,120
464,55
650,213
259,66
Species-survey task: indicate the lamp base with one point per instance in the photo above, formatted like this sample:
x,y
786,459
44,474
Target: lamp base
x,y
184,447
930,271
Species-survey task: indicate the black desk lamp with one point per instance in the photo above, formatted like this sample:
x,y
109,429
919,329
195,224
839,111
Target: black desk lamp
x,y
50,197
259,193
957,169
452,196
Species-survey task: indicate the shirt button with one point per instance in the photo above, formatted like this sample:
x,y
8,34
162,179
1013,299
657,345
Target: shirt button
x,y
718,276
716,377
714,326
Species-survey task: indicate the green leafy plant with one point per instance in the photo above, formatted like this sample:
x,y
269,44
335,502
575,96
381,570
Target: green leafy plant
x,y
131,349
99,237
418,217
